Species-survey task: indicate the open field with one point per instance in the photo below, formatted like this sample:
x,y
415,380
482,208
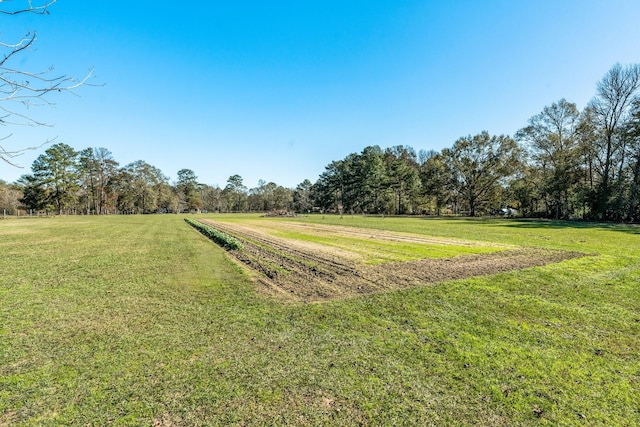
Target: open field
x,y
140,320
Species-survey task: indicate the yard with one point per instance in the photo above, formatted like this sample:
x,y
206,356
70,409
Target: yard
x,y
141,320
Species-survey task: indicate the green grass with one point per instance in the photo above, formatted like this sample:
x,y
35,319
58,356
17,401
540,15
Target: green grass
x,y
567,235
141,320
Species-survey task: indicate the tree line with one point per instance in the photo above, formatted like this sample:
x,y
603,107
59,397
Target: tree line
x,y
565,163
91,181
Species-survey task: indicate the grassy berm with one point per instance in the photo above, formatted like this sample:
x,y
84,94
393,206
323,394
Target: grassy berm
x,y
143,321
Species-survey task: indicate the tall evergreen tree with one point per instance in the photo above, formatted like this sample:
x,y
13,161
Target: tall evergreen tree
x,y
402,177
436,178
57,171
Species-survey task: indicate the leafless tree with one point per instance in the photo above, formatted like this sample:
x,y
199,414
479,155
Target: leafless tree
x,y
22,89
611,105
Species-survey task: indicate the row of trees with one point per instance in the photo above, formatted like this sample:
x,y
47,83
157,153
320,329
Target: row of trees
x,y
467,178
564,163
588,161
92,182
64,180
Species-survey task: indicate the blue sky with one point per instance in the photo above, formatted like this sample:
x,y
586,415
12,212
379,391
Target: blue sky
x,y
276,90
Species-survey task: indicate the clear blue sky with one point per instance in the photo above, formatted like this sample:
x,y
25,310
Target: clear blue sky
x,y
275,90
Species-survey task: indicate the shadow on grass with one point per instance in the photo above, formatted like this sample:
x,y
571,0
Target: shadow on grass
x,y
545,224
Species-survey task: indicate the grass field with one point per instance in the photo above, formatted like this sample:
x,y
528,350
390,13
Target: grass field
x,y
140,320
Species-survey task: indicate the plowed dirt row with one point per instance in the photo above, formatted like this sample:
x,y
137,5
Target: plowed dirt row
x,y
319,229
309,273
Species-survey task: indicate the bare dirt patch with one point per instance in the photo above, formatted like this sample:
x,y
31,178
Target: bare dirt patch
x,y
342,231
306,272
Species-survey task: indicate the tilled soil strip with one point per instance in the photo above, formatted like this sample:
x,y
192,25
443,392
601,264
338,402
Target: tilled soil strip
x,y
299,273
382,235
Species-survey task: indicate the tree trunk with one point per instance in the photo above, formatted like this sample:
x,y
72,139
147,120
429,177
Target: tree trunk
x,y
634,190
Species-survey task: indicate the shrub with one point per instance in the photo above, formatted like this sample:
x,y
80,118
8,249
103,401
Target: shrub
x,y
222,239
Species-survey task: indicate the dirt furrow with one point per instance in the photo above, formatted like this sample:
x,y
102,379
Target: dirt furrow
x,y
301,274
285,246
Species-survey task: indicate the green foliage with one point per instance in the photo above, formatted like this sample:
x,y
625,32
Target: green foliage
x,y
222,239
374,181
479,165
236,194
436,180
188,188
269,197
143,188
56,172
552,137
35,195
97,168
402,178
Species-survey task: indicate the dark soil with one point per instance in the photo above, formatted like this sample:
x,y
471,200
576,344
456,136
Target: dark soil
x,y
302,274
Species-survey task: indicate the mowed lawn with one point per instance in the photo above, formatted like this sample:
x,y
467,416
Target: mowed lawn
x,y
141,321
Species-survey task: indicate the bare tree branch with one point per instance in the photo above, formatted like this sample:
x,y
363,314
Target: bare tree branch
x,y
7,155
30,8
22,89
